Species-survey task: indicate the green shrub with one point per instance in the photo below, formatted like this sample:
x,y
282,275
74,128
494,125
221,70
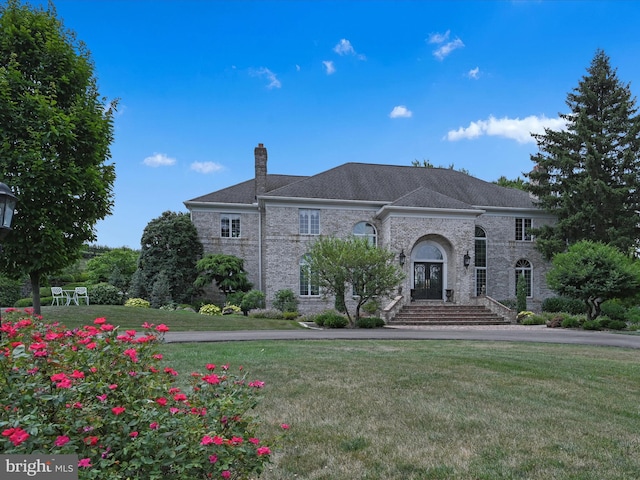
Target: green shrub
x,y
633,315
24,302
523,315
534,319
521,293
10,291
137,302
105,294
370,322
210,309
371,307
285,301
126,415
617,325
161,292
571,321
331,319
591,325
231,310
270,313
252,299
563,304
614,309
290,315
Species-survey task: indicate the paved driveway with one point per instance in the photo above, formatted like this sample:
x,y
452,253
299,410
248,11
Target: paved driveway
x,y
514,333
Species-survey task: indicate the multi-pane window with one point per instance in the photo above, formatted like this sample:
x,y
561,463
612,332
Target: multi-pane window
x,y
523,229
366,230
229,225
308,280
480,261
309,221
523,268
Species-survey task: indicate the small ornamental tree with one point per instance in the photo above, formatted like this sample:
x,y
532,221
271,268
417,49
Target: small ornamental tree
x,y
594,272
521,294
227,271
353,262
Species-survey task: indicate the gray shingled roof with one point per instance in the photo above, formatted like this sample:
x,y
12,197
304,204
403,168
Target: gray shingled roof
x,y
389,184
245,192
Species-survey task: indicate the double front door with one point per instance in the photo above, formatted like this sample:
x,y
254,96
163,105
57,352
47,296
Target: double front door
x,y
427,281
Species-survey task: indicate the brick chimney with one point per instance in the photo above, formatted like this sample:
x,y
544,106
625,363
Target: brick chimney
x,y
260,153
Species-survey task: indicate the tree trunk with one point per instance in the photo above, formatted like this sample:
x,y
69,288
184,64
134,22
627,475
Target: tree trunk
x,y
594,307
35,287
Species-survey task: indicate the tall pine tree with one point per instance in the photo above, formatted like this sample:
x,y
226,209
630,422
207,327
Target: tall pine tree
x,y
588,175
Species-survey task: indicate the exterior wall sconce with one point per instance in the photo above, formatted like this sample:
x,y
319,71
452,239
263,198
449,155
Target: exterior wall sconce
x,y
466,260
7,207
402,258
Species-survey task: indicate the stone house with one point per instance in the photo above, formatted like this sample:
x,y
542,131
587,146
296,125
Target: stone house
x,y
458,238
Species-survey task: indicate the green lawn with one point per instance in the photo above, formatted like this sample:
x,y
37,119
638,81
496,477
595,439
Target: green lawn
x,y
440,409
179,320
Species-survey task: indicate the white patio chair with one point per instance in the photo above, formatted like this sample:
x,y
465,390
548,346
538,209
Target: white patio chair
x,y
58,294
80,292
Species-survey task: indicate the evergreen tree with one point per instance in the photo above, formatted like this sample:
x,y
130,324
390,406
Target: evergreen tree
x,y
588,175
170,244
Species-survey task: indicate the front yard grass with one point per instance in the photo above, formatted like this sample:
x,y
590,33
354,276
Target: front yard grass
x,y
177,320
440,409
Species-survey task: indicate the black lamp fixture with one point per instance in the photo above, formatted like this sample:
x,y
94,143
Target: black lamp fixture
x,y
7,207
402,257
466,260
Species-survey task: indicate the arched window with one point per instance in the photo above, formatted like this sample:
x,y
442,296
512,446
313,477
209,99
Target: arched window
x,y
426,251
523,267
480,261
366,230
308,280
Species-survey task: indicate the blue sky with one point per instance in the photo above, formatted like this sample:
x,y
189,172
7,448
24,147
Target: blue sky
x,y
321,83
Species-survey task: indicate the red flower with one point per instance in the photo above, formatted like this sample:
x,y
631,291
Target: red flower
x,y
61,440
162,328
161,401
212,379
263,451
99,321
92,440
211,366
118,410
16,435
85,462
133,434
77,374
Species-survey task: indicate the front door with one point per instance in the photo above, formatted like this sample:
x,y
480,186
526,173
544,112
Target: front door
x,y
427,280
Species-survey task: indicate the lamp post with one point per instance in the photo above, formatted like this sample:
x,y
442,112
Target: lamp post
x,y
7,207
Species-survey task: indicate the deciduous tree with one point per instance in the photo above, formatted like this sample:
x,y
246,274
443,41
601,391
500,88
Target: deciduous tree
x,y
55,132
588,176
594,272
339,263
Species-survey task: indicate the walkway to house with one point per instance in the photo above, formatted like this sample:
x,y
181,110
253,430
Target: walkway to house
x,y
502,333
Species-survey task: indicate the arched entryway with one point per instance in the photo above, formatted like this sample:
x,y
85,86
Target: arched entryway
x,y
428,267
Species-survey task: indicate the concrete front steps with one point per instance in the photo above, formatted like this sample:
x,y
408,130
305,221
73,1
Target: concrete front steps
x,y
425,312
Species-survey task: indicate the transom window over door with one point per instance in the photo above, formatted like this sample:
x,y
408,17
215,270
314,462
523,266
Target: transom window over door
x,y
309,221
428,272
480,261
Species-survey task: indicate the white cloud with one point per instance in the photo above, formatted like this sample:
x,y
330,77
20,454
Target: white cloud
x,y
159,160
516,129
269,75
400,112
438,37
329,67
344,47
206,167
474,73
447,48
297,68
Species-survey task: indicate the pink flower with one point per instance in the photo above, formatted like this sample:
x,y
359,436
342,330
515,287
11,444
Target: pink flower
x,y
226,474
158,356
102,398
213,458
84,462
285,426
180,397
153,425
58,377
213,379
162,328
211,366
161,401
113,386
255,441
206,440
256,384
77,374
66,383
147,325
92,346
263,451
99,321
61,440
16,435
133,434
118,410
131,333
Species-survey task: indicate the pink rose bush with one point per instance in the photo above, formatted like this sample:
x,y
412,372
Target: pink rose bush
x,y
107,397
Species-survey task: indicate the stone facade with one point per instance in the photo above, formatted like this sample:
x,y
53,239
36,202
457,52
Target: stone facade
x,y
434,240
